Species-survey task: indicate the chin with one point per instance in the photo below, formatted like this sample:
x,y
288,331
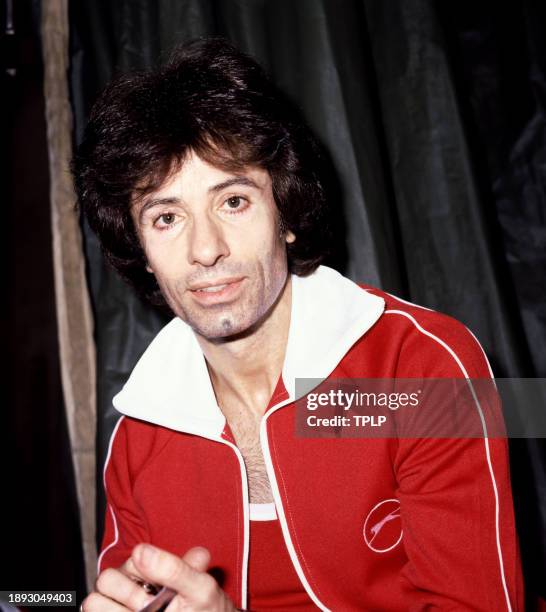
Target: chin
x,y
226,322
222,328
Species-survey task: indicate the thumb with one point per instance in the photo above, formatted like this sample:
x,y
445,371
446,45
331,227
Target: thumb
x,y
198,558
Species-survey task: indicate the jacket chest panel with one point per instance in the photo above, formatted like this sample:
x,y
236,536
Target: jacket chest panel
x,y
191,494
340,504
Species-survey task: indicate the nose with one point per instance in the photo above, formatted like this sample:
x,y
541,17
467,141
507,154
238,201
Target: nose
x,y
207,242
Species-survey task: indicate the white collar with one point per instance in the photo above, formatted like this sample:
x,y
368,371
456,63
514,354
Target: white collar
x,y
170,384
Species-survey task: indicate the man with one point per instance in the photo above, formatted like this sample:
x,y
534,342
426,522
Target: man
x,y
203,186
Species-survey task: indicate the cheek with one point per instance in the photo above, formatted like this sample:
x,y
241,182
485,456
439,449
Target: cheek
x,y
265,236
165,258
271,254
274,263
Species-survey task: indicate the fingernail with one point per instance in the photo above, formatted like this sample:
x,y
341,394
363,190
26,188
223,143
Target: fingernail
x,y
146,554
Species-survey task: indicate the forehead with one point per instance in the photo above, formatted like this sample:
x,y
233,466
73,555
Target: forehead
x,y
195,177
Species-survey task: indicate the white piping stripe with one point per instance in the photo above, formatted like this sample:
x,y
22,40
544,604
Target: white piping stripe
x,y
116,532
467,329
280,508
486,440
246,519
484,356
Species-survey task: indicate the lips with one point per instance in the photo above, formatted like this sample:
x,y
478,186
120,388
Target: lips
x,y
213,288
220,282
215,292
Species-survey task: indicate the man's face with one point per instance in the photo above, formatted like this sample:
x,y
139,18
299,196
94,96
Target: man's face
x,y
212,240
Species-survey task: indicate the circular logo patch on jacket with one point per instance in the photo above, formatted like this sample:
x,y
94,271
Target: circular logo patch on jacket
x,y
383,527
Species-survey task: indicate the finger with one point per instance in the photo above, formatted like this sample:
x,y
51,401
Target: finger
x,y
171,571
95,602
198,558
129,569
114,584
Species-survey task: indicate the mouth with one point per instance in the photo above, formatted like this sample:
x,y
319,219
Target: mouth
x,y
216,292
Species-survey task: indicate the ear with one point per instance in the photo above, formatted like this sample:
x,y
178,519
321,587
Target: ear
x,y
290,236
148,269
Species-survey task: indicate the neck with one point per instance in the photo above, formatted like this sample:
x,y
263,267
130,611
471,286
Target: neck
x,y
244,369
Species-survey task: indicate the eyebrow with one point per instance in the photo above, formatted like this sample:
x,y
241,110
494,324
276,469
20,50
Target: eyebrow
x,y
236,180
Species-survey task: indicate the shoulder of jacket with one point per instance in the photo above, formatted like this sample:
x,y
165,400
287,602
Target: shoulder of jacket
x,y
136,441
431,333
415,316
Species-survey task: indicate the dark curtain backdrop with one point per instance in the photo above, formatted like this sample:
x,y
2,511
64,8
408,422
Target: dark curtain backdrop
x,y
40,532
434,116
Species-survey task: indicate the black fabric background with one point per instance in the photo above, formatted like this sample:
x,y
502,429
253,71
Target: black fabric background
x,y
434,116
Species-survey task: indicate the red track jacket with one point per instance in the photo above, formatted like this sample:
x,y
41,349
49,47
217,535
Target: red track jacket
x,y
370,524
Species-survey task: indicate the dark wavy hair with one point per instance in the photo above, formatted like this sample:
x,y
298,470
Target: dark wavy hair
x,y
216,101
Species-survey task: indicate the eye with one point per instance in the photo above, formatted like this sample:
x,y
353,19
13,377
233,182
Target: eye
x,y
165,220
235,204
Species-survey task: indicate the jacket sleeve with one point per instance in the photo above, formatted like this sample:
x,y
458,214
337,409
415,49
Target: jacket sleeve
x,y
455,497
123,528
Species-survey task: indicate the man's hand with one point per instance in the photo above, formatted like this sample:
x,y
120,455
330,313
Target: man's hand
x,y
117,590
